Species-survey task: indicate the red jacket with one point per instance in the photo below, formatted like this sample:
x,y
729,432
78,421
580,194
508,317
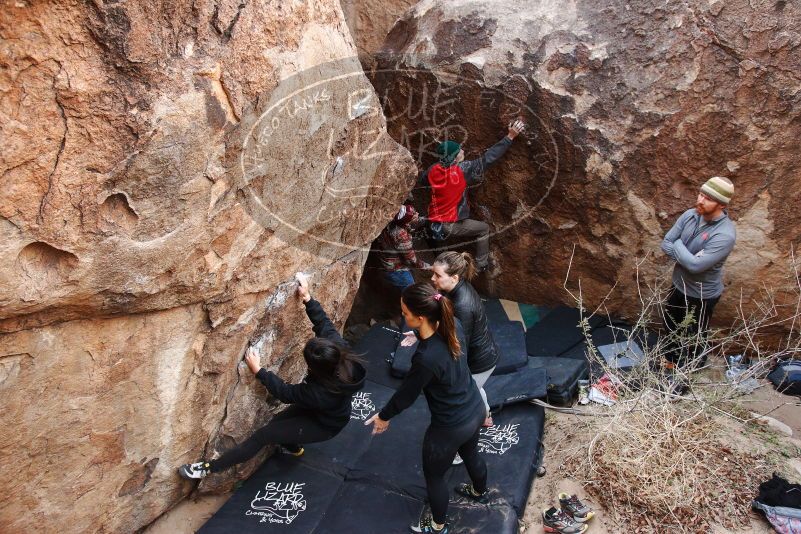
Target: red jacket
x,y
447,192
449,184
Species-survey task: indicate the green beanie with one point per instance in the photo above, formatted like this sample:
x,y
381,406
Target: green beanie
x,y
447,151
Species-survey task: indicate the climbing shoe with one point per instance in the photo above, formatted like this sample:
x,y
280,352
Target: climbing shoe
x,y
467,490
559,522
291,450
426,526
576,509
195,470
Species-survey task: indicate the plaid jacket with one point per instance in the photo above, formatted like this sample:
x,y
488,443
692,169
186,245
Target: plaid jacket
x,y
396,249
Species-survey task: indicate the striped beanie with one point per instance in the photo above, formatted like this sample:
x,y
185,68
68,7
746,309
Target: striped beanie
x,y
718,188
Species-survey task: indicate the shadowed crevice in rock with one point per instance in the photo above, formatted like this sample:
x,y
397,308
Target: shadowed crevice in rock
x,y
41,266
139,479
116,214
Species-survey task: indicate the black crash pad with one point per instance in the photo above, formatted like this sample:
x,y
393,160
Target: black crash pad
x,y
510,338
606,334
521,385
511,448
341,454
394,459
558,332
364,507
360,482
284,495
563,376
495,313
375,350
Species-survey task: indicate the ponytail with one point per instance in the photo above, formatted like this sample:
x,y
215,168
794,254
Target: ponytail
x,y
447,327
423,300
460,263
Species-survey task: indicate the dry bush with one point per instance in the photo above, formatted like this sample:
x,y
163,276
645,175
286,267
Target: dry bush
x,y
663,467
660,462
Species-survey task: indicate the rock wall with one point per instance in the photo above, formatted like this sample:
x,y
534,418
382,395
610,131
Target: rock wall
x,y
166,168
370,21
631,106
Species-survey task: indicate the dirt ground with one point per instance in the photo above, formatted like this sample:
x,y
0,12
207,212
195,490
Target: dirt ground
x,y
188,516
567,434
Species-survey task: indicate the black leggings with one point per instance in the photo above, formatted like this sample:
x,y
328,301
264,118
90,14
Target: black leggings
x,y
290,428
677,307
440,446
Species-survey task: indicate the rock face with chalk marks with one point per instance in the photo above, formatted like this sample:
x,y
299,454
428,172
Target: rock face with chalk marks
x,y
631,107
166,169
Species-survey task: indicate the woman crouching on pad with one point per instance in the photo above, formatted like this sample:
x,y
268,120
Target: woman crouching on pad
x,y
440,370
319,406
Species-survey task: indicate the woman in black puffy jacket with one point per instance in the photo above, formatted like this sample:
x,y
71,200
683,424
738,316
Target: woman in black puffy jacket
x,y
452,274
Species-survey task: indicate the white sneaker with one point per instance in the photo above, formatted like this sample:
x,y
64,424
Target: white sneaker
x,y
457,460
584,392
195,470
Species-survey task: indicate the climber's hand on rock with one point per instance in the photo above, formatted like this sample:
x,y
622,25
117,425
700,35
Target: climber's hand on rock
x,y
303,286
253,360
515,128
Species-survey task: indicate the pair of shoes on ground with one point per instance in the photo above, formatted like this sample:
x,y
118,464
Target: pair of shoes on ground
x,y
570,518
201,469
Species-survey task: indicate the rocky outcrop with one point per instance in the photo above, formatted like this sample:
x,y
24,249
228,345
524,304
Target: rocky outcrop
x,y
369,22
166,168
631,106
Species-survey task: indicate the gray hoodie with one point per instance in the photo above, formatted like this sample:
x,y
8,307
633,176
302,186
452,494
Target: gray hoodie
x,y
700,248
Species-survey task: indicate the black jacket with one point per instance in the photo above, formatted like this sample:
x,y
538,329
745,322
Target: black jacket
x,y
332,407
450,390
482,353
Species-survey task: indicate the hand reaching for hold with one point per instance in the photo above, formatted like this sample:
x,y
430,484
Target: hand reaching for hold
x,y
253,360
515,128
303,286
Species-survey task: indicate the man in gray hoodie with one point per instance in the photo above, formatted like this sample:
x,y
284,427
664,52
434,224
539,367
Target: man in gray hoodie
x,y
699,242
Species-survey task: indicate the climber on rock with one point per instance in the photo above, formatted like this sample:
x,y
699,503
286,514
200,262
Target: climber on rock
x,y
448,212
320,406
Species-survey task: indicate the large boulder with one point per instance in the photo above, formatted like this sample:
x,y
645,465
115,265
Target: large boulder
x,y
166,169
631,106
369,22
